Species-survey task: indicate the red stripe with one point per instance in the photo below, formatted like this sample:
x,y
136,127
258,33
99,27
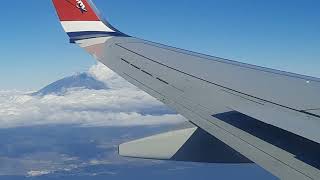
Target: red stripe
x,y
68,11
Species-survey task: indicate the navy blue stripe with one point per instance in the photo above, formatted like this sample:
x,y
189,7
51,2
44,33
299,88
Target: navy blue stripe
x,y
74,36
92,33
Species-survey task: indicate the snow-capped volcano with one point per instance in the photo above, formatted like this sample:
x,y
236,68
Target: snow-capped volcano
x,y
77,81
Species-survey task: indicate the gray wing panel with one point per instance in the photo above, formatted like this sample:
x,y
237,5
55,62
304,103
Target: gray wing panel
x,y
176,81
286,89
277,161
214,84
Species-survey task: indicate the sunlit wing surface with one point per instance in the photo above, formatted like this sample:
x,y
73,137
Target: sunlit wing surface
x,y
256,114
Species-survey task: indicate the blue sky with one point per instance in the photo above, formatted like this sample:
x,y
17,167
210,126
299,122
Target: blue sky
x,y
278,34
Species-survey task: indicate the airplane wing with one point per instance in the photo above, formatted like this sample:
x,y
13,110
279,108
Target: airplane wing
x,y
241,113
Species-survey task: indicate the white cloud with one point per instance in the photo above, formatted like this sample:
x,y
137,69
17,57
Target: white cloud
x,y
37,173
121,105
110,78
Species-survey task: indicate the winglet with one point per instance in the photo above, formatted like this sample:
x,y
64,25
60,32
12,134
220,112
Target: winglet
x,y
80,20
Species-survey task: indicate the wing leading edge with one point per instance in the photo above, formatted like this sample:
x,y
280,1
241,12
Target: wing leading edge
x,y
229,100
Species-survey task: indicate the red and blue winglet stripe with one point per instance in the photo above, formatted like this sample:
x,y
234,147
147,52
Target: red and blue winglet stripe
x,y
80,20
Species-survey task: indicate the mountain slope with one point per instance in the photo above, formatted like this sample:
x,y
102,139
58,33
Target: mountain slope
x,y
60,87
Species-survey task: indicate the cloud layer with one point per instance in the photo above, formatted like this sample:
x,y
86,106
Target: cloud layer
x,y
121,105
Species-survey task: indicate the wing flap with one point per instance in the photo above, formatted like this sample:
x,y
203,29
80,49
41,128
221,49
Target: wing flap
x,y
191,144
278,116
162,146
